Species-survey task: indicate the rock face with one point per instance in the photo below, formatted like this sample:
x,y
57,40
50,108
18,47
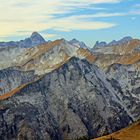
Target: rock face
x,y
122,66
73,101
11,78
126,79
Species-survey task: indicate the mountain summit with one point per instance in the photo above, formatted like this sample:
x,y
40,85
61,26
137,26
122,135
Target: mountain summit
x,y
78,43
34,40
113,43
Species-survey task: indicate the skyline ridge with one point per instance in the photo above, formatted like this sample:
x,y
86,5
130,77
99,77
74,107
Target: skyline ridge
x,y
40,36
85,20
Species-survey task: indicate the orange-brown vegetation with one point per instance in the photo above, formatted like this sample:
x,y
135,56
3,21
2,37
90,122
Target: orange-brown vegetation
x,y
129,59
12,92
86,54
132,132
127,47
41,49
123,54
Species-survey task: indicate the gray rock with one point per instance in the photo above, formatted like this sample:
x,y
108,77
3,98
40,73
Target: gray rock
x,y
78,43
73,101
126,80
11,78
100,44
112,43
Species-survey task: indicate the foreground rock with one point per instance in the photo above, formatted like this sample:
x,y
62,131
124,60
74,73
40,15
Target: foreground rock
x,y
73,101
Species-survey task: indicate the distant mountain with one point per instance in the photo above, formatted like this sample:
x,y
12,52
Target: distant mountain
x,y
100,44
126,52
34,40
123,40
112,43
78,43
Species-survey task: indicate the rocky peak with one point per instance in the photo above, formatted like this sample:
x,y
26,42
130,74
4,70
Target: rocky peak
x,y
74,40
36,38
123,40
100,44
78,43
112,43
127,38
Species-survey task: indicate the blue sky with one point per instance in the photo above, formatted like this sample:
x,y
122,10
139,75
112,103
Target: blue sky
x,y
86,20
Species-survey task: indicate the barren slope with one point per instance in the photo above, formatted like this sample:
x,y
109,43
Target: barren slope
x,y
126,53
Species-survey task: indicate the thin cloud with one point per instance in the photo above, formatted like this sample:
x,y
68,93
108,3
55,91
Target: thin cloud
x,y
134,12
49,35
34,15
98,15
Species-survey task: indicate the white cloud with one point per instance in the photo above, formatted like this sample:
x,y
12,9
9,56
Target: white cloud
x,y
99,15
33,15
68,24
101,1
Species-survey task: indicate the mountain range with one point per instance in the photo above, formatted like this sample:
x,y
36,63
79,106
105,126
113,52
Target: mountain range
x,y
63,90
34,40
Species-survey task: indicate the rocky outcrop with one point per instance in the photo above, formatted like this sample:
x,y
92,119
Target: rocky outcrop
x,y
73,101
121,64
11,78
126,79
